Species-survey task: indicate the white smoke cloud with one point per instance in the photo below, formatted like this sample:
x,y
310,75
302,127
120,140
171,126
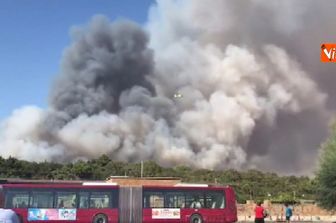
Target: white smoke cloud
x,y
248,95
20,136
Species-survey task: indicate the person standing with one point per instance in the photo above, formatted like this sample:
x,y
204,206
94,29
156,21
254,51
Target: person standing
x,y
260,213
8,216
288,213
196,203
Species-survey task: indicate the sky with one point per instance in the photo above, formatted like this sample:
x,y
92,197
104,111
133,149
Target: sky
x,y
34,34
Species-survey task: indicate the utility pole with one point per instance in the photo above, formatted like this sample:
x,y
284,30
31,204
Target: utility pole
x,y
142,168
294,195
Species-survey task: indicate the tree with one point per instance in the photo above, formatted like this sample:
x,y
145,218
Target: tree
x,y
326,175
64,173
152,169
82,170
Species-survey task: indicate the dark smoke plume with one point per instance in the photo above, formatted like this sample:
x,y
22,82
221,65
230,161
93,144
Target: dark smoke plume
x,y
105,60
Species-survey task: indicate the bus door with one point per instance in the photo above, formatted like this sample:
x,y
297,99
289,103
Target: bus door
x,y
96,205
163,206
130,205
231,207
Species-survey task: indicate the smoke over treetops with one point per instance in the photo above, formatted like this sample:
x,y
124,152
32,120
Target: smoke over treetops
x,y
247,75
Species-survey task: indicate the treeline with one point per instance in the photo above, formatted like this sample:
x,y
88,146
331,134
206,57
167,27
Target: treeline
x,y
252,184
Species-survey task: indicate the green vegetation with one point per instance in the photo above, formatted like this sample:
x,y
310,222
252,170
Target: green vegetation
x,y
326,176
251,184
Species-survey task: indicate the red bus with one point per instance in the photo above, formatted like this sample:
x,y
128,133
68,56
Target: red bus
x,y
120,204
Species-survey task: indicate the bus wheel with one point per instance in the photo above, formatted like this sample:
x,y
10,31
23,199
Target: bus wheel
x,y
100,218
196,218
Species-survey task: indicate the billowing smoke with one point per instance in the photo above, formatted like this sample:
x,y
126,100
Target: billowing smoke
x,y
226,84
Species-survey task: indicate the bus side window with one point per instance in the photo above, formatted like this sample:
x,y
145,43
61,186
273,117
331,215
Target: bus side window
x,y
153,199
17,199
66,199
174,200
195,200
42,199
23,204
215,200
100,199
83,199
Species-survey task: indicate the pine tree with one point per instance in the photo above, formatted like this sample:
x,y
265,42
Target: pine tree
x,y
326,175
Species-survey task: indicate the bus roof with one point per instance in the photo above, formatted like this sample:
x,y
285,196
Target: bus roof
x,y
57,182
188,187
92,183
64,186
31,181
